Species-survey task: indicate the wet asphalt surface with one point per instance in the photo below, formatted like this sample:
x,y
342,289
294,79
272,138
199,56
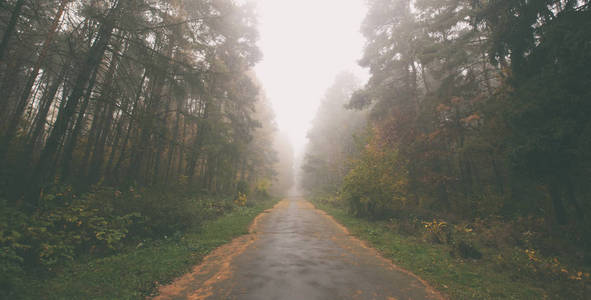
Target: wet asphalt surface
x,y
297,252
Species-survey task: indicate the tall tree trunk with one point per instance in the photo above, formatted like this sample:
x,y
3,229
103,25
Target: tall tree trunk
x,y
104,130
96,165
9,85
116,139
93,135
25,95
556,196
47,101
571,197
29,115
94,58
122,154
202,131
78,126
172,150
157,160
147,131
179,169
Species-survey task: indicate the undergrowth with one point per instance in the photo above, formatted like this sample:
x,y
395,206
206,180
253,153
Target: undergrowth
x,y
483,259
100,246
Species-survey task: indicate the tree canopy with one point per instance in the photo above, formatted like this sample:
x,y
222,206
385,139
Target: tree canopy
x,y
477,110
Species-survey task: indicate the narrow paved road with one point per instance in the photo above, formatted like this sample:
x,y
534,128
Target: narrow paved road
x,y
295,251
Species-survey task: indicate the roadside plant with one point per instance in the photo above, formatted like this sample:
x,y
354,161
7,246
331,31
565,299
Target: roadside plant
x,y
438,231
241,199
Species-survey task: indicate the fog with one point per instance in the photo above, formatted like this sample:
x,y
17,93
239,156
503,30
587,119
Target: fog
x,y
305,44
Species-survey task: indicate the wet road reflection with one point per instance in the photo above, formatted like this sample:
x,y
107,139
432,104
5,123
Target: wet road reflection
x,y
295,251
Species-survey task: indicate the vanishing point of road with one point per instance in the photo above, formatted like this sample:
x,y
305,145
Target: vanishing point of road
x,y
295,251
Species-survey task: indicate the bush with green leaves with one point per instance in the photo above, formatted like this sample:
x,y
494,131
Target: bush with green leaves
x,y
64,226
12,247
376,185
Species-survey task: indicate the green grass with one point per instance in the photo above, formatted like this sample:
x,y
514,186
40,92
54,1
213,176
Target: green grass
x,y
135,274
457,278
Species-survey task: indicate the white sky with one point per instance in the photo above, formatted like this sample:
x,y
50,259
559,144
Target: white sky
x,y
305,44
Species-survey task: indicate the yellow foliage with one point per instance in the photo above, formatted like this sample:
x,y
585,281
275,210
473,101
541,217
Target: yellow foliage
x,y
531,254
552,265
183,180
438,229
241,199
263,185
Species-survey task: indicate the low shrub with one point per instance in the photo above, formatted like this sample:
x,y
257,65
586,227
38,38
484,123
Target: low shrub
x,y
376,186
438,231
101,222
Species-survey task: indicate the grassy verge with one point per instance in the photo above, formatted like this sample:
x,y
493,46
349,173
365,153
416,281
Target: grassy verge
x,y
135,274
491,277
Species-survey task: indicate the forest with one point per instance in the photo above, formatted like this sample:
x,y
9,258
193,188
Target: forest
x,y
125,121
136,138
472,134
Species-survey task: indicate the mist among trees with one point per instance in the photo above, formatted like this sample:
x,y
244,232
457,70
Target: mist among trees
x,y
125,120
129,127
477,115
